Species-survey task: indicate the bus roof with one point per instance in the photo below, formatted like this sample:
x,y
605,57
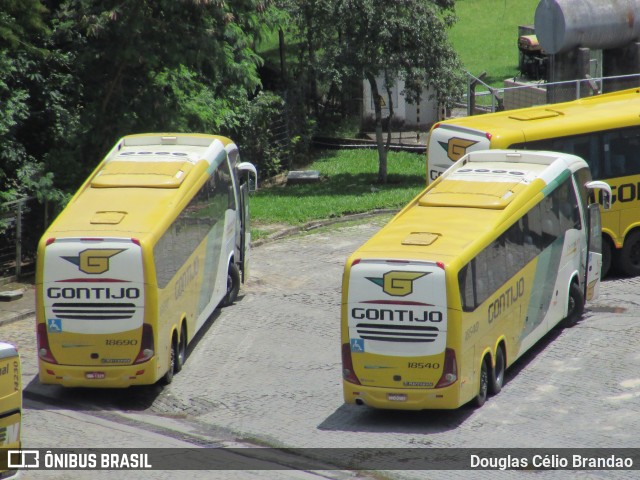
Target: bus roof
x,y
143,179
7,350
476,198
600,112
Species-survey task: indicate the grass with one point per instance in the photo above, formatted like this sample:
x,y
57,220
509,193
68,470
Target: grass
x,y
349,185
486,36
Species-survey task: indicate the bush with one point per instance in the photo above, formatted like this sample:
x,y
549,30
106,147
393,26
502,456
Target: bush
x,y
270,134
261,132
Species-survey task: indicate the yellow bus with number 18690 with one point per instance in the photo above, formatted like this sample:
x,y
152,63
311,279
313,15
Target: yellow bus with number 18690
x,y
467,277
154,241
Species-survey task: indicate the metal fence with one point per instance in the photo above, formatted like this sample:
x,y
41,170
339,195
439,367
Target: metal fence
x,y
18,243
483,98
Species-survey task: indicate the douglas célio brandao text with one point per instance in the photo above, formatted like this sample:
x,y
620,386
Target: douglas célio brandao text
x,y
551,461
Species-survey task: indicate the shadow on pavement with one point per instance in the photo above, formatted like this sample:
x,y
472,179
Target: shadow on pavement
x,y
353,418
134,398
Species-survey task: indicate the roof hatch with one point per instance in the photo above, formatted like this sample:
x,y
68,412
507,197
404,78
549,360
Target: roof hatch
x,y
142,174
536,114
420,238
459,193
107,218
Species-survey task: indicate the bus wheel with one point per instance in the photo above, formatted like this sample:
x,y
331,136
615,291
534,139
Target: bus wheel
x,y
182,349
484,384
173,355
630,254
497,373
576,306
233,285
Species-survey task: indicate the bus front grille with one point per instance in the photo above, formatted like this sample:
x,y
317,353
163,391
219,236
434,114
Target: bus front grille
x,y
94,311
397,333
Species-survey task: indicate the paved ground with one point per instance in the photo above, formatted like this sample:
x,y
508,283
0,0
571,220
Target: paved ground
x,y
268,370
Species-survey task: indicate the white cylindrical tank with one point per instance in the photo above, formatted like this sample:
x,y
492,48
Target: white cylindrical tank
x,y
599,24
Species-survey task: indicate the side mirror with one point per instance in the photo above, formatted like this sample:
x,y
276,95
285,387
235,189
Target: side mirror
x,y
605,189
250,170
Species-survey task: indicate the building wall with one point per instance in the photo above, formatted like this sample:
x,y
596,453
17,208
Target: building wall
x,y
420,116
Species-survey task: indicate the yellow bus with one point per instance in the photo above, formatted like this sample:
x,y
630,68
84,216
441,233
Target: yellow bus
x,y
603,129
10,405
150,245
468,276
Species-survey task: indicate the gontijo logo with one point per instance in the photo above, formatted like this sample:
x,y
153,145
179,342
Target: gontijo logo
x,y
94,260
457,147
397,283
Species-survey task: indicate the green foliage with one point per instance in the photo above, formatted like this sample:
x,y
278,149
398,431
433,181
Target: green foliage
x,y
149,65
192,105
405,38
256,133
32,111
19,21
267,137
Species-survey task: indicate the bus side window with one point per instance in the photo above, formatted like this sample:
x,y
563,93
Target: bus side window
x,y
482,280
497,260
587,147
532,232
514,247
583,176
225,196
550,221
564,196
614,155
493,267
467,287
631,142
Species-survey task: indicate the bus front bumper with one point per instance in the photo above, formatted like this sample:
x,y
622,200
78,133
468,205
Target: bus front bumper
x,y
402,398
98,376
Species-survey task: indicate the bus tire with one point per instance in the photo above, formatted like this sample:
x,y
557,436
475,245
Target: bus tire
x,y
575,307
182,349
497,373
173,355
629,261
233,285
483,388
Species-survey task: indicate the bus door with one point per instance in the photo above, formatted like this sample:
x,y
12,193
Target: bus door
x,y
594,253
594,242
245,170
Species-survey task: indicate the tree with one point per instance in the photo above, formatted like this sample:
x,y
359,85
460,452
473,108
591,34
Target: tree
x,y
308,23
155,65
404,38
369,39
33,110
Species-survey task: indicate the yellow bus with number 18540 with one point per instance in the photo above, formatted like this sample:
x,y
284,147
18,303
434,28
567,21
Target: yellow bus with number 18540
x,y
466,278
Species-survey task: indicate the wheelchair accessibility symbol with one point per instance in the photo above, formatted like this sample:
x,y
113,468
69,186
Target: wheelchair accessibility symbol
x,y
357,345
54,325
